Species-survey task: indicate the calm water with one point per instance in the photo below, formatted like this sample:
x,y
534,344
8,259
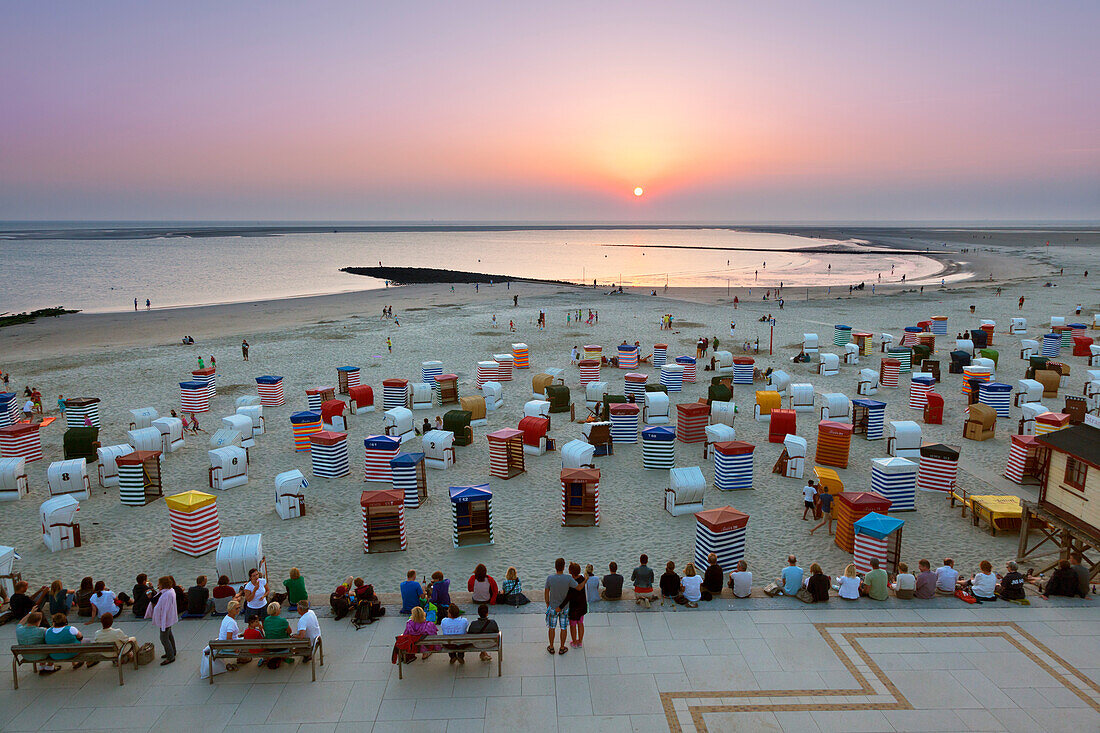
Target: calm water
x,y
105,274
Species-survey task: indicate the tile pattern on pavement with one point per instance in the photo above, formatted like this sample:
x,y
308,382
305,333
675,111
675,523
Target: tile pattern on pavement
x,y
688,711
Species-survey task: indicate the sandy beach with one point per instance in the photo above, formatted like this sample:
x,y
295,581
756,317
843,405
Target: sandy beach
x,y
132,360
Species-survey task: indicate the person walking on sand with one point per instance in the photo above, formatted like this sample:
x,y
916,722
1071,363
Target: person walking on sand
x,y
825,502
244,349
147,304
809,491
135,304
202,364
389,344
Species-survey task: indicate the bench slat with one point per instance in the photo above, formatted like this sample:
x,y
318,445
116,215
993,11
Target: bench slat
x,y
102,651
461,643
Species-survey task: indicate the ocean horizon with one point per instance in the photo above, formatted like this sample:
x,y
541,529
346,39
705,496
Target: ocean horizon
x,y
104,266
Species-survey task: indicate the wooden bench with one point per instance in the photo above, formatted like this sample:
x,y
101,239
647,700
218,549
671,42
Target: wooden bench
x,y
102,652
268,649
460,643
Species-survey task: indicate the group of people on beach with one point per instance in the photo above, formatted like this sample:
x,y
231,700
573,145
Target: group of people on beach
x,y
568,591
44,615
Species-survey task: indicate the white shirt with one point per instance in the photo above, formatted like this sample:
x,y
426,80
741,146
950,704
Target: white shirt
x,y
692,587
29,407
105,602
454,625
984,585
308,621
946,578
849,587
906,581
229,629
742,583
809,492
260,599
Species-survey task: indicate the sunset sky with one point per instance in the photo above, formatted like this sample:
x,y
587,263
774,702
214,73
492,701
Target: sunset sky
x,y
518,111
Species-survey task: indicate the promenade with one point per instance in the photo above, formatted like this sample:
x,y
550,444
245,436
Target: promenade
x,y
772,664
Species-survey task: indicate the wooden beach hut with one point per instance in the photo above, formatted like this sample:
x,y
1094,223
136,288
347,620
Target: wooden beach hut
x,y
938,468
193,517
410,478
833,443
139,479
733,465
329,454
471,515
851,506
877,536
346,378
383,515
378,451
505,453
896,479
721,531
580,497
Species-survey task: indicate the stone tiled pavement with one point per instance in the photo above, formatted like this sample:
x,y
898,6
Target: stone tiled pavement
x,y
776,665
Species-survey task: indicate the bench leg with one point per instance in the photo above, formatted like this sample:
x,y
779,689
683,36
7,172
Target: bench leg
x,y
313,666
14,673
500,659
400,676
120,666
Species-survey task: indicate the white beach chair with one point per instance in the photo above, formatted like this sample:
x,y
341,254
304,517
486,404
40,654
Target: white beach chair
x,y
685,492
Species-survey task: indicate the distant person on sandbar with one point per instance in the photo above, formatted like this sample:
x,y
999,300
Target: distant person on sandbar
x,y
244,349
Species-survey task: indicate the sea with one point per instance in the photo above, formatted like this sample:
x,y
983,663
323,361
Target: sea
x,y
103,267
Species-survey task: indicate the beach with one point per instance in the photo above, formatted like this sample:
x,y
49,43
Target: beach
x,y
135,359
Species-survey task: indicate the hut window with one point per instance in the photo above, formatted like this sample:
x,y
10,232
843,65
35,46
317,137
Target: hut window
x,y
1075,473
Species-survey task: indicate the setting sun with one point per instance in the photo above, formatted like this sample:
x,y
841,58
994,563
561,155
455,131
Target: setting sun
x,y
638,191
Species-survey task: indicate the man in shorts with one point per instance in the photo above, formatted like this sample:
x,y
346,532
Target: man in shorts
x,y
825,501
809,491
555,594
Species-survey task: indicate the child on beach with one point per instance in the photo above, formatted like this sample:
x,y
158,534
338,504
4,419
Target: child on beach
x,y
439,591
578,606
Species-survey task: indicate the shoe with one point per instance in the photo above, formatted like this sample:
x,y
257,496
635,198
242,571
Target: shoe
x,y
452,660
461,660
167,661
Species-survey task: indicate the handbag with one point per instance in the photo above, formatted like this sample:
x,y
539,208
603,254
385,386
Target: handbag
x,y
771,590
146,653
964,596
804,595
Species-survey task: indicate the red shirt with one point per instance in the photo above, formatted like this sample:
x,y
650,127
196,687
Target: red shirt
x,y
251,633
